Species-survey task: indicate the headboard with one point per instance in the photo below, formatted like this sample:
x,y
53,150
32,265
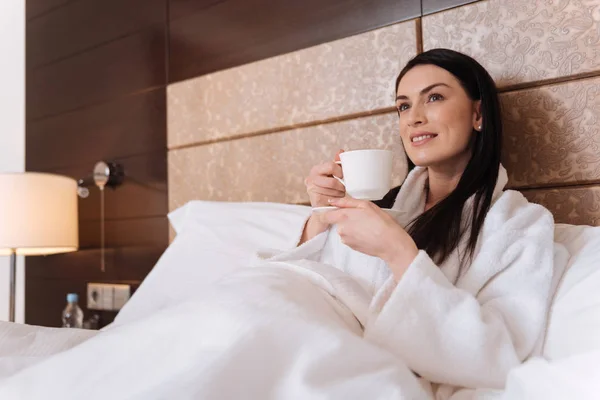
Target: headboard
x,y
252,133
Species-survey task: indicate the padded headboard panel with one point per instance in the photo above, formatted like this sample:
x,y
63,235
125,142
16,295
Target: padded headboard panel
x,y
251,133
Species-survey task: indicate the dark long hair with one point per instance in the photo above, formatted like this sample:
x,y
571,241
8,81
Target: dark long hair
x,y
439,230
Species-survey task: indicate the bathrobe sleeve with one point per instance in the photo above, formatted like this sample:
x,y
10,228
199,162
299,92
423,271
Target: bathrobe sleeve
x,y
472,335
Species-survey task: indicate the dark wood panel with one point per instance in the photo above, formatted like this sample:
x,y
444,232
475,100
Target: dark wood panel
x,y
95,91
127,126
153,231
46,299
121,67
142,194
122,264
432,6
83,24
236,32
184,8
34,8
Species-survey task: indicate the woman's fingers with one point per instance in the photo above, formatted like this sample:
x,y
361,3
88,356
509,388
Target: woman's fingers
x,y
329,193
349,202
328,169
321,184
327,183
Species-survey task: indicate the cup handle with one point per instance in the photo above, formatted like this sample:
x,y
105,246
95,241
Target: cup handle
x,y
340,180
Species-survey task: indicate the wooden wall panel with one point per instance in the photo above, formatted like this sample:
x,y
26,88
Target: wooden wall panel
x,y
184,8
236,32
335,80
121,67
83,24
551,134
36,8
96,91
143,231
123,127
570,205
520,42
273,167
432,6
122,264
142,194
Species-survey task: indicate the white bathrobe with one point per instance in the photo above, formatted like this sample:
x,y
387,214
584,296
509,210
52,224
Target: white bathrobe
x,y
459,333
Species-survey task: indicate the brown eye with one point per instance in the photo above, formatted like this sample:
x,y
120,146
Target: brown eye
x,y
402,107
435,97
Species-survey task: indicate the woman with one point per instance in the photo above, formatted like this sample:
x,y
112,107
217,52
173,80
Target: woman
x,y
471,264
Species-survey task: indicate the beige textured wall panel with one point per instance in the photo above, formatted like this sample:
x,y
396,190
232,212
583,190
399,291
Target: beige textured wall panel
x,y
578,206
273,167
351,75
552,134
522,40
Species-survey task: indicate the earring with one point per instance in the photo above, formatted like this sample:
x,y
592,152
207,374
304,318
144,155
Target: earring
x,y
479,127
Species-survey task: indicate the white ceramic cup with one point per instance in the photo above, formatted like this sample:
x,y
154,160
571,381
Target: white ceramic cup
x,y
367,173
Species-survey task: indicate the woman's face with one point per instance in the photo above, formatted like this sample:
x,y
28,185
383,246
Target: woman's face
x,y
437,118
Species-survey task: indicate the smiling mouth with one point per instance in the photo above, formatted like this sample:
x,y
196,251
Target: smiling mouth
x,y
422,138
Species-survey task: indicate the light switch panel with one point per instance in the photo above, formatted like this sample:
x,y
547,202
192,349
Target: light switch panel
x,y
95,296
121,294
105,296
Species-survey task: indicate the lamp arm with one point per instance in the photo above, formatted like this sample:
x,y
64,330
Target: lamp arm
x,y
109,174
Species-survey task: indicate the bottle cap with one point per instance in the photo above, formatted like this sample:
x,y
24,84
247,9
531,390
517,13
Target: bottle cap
x,y
72,297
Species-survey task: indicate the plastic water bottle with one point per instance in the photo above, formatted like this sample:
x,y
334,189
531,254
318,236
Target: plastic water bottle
x,y
72,316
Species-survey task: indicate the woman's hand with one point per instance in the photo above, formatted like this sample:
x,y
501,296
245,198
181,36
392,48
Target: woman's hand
x,y
367,228
321,184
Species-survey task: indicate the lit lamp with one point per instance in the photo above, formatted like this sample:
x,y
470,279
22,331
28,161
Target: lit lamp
x,y
38,216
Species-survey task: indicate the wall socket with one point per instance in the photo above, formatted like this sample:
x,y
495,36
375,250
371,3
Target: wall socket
x,y
107,296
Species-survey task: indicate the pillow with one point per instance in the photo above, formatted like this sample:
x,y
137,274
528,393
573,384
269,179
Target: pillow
x,y
574,325
246,225
213,238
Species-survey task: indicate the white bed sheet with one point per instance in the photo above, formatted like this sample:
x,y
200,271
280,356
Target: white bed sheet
x,y
24,345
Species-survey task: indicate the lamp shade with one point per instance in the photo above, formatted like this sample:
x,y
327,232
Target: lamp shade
x,y
38,213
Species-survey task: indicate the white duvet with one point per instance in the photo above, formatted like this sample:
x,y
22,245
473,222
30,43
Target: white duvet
x,y
277,331
284,330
